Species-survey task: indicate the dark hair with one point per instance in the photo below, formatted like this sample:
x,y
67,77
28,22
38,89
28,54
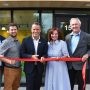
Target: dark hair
x,y
12,24
36,23
60,34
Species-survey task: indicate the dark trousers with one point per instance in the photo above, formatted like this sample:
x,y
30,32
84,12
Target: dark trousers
x,y
1,73
76,76
33,79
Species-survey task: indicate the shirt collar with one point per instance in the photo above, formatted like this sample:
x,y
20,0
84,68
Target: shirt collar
x,y
74,34
13,39
35,39
54,42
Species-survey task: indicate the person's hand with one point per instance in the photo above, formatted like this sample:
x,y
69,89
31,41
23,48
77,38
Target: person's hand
x,y
65,56
1,56
35,57
12,61
42,59
85,57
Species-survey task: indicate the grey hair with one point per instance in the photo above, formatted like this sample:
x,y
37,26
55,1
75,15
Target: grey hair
x,y
76,19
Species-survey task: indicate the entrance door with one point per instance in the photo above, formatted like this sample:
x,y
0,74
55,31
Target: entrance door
x,y
62,21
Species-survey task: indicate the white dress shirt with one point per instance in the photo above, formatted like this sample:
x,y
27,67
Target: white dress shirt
x,y
35,46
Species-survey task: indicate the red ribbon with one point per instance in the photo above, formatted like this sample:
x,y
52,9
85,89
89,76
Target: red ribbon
x,y
84,75
69,59
47,59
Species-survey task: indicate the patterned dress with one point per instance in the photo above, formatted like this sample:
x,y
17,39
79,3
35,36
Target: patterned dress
x,y
56,77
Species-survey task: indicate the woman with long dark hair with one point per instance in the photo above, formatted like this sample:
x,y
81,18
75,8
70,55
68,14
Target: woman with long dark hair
x,y
56,77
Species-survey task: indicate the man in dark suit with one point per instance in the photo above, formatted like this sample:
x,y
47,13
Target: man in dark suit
x,y
78,43
1,64
34,47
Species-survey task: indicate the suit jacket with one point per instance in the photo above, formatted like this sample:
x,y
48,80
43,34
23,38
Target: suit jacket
x,y
82,48
27,50
1,39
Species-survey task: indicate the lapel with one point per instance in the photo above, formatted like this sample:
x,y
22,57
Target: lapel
x,y
69,40
32,44
39,45
69,44
1,38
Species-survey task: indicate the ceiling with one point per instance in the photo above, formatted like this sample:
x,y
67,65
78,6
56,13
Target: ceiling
x,y
44,3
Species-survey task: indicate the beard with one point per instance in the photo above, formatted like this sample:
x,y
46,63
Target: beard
x,y
13,35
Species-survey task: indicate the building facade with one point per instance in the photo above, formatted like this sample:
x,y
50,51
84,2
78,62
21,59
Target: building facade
x,y
48,13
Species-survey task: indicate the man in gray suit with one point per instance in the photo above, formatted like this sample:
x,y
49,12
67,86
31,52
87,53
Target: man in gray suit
x,y
78,43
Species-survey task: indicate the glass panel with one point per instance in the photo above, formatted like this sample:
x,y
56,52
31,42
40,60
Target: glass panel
x,y
46,21
5,18
25,17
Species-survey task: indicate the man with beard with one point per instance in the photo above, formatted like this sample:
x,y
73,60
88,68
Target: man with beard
x,y
10,48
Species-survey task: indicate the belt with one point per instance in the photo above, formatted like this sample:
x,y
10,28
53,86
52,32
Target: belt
x,y
11,66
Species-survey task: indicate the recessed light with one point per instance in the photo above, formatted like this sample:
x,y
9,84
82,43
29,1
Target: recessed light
x,y
5,4
88,4
3,28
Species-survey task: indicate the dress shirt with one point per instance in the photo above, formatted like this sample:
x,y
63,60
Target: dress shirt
x,y
10,48
35,46
74,41
57,49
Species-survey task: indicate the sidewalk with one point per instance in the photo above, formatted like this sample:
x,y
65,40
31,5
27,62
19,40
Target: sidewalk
x,y
75,87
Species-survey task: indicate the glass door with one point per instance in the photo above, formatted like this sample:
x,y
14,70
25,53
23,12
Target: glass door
x,y
62,21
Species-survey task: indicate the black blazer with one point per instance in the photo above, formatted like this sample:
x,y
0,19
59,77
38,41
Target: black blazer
x,y
1,39
27,50
82,48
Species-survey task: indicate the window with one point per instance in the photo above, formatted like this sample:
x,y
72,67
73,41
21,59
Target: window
x,y
24,18
5,18
46,21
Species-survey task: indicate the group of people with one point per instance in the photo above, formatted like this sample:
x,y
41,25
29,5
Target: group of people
x,y
59,75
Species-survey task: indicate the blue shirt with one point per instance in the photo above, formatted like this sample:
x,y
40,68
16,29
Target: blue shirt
x,y
74,41
57,49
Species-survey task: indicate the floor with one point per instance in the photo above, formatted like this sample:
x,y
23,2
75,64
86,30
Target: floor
x,y
42,88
